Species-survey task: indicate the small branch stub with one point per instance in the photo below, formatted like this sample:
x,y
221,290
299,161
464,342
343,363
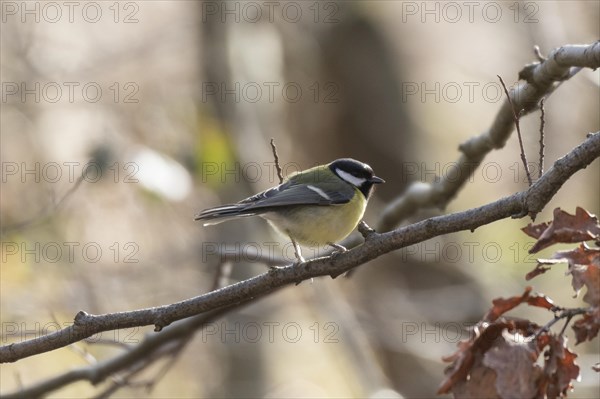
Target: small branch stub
x,y
365,230
538,53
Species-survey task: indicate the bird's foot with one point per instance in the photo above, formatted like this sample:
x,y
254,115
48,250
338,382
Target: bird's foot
x,y
339,249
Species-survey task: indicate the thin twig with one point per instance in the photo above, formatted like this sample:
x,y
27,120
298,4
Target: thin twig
x,y
542,126
569,317
173,357
516,116
83,352
149,384
279,171
45,213
563,314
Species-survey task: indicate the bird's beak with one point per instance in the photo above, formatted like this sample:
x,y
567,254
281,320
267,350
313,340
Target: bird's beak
x,y
376,180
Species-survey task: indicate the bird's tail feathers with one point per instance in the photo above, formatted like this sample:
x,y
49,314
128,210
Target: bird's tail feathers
x,y
224,213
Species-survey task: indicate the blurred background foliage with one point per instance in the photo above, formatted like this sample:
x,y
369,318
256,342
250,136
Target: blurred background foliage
x,y
191,94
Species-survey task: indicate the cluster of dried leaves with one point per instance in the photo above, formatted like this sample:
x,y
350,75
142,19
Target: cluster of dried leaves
x,y
500,360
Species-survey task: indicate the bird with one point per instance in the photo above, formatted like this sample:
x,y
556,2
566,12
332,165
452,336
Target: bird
x,y
314,207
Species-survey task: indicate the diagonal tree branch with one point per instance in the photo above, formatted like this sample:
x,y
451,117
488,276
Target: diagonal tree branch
x,y
541,78
530,201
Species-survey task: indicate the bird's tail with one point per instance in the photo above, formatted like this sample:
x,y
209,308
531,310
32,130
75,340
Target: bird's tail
x,y
224,213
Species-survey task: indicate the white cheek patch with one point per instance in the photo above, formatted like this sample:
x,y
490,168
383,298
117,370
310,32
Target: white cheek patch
x,y
355,181
319,191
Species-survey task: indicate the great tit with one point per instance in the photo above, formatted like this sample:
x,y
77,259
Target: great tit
x,y
315,207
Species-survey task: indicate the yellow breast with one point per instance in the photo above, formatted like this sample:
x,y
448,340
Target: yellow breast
x,y
315,226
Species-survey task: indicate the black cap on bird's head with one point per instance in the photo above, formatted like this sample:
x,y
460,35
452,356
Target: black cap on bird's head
x,y
359,174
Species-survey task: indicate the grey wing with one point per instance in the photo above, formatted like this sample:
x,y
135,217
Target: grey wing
x,y
286,194
290,194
